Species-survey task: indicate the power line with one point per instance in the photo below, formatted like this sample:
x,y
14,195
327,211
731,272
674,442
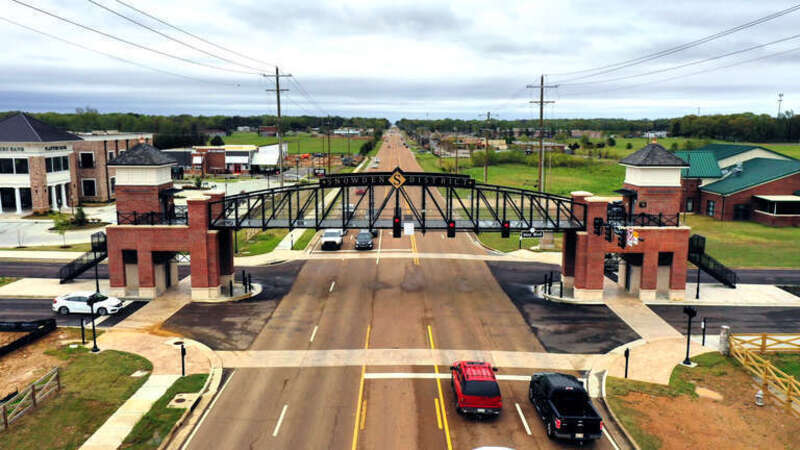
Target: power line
x,y
630,62
147,27
125,41
118,58
700,72
161,21
681,66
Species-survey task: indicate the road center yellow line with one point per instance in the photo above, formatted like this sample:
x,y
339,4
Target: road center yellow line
x,y
438,413
363,414
360,394
441,396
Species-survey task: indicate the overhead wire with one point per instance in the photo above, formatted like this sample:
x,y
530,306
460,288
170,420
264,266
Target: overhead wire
x,y
118,58
592,72
125,41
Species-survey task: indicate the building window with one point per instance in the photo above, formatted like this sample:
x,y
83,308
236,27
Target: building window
x,y
113,181
56,164
711,206
20,165
48,164
87,160
110,156
65,162
6,165
689,205
88,185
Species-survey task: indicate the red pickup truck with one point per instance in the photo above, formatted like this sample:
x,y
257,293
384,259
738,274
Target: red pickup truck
x,y
475,388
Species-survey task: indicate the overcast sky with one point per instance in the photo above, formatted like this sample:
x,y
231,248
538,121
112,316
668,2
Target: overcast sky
x,y
400,58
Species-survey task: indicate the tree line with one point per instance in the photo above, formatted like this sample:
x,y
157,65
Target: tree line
x,y
187,130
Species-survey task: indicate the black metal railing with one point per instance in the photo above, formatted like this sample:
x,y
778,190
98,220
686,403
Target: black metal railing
x,y
708,264
653,220
177,216
74,268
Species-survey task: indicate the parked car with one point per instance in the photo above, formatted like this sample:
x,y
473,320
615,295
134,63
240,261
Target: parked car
x,y
364,240
565,407
77,302
332,239
475,388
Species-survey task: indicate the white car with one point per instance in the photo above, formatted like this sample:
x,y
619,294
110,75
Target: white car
x,y
76,302
332,238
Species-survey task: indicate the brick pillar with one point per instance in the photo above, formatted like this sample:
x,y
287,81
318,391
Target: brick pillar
x,y
680,257
116,265
205,255
649,277
38,177
568,259
589,251
147,280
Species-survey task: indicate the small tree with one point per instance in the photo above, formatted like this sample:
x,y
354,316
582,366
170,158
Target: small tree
x,y
674,146
611,142
198,182
628,146
217,141
80,216
61,224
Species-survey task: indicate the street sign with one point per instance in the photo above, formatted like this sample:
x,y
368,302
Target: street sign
x,y
532,233
408,229
319,172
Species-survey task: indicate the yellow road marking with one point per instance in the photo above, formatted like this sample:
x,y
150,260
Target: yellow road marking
x,y
360,394
441,396
438,414
363,414
414,249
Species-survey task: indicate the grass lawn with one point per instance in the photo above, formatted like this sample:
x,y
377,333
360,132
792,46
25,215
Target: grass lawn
x,y
151,429
260,243
93,387
51,248
789,363
674,416
7,280
305,238
375,149
493,240
748,244
298,144
49,215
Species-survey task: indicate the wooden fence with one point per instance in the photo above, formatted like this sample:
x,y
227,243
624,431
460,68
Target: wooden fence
x,y
782,387
30,397
773,342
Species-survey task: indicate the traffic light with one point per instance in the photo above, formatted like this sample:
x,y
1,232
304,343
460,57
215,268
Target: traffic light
x,y
506,231
598,225
396,227
609,238
451,229
621,237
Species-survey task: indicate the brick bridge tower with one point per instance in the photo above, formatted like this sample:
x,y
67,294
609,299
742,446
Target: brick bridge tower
x,y
151,230
642,227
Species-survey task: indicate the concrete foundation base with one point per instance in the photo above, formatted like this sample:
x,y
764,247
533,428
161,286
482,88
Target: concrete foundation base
x,y
588,294
147,292
206,293
677,294
225,279
569,282
118,292
647,295
547,241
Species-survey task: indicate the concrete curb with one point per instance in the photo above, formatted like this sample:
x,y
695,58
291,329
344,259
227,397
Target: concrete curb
x,y
187,422
616,420
257,289
571,301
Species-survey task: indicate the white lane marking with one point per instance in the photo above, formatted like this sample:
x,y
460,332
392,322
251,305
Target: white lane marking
x,y
522,418
333,283
380,243
313,334
280,420
610,439
208,410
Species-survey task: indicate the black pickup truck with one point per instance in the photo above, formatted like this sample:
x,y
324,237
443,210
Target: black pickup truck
x,y
565,407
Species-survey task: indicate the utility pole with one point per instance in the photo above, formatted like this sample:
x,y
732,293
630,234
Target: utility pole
x,y
328,130
486,161
541,103
780,100
278,91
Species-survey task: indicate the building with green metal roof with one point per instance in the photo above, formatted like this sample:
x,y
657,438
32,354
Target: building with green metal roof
x,y
702,164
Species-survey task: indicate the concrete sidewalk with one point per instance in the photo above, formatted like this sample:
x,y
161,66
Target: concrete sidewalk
x,y
44,256
48,288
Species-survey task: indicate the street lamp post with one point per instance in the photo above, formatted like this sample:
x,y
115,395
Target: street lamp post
x,y
92,300
690,312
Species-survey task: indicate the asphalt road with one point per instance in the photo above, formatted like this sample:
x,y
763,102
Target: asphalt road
x,y
741,319
562,328
23,269
753,276
379,303
36,309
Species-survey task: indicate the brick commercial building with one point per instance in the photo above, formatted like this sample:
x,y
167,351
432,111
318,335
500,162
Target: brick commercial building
x,y
38,170
741,182
96,179
645,220
151,230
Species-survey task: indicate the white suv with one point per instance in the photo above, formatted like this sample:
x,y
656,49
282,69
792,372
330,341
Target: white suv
x,y
332,238
77,302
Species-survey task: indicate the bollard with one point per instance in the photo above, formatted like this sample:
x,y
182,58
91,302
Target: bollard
x,y
83,332
250,282
244,276
183,360
230,287
703,326
560,288
724,343
760,398
627,357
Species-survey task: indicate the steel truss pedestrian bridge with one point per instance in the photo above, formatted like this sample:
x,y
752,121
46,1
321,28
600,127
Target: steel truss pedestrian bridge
x,y
430,201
